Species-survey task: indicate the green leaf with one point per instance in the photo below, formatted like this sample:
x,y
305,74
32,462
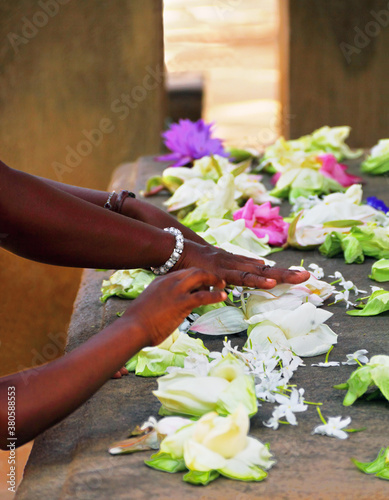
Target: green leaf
x,y
153,183
378,303
353,252
172,183
241,167
380,270
131,364
377,165
358,383
256,474
292,241
165,462
377,466
341,386
380,376
197,477
332,244
239,155
384,474
343,223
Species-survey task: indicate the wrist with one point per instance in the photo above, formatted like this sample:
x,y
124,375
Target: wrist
x,y
176,254
136,333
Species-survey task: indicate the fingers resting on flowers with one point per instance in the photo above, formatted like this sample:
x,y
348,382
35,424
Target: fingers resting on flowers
x,y
236,269
169,299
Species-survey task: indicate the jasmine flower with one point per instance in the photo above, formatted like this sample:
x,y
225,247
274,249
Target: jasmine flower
x,y
273,421
357,357
316,271
291,405
333,428
268,385
348,285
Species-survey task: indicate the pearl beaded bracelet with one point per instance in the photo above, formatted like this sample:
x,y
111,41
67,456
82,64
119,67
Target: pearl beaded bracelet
x,y
176,254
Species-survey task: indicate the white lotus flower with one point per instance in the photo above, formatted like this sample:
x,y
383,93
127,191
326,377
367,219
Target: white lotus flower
x,y
301,330
216,204
189,193
286,155
226,385
332,140
314,224
381,148
333,428
285,296
248,186
154,361
216,443
235,237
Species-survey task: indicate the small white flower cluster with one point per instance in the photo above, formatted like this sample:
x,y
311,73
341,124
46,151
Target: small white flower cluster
x,y
272,369
348,286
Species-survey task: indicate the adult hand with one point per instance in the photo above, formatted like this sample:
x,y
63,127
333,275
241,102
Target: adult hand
x,y
169,299
235,269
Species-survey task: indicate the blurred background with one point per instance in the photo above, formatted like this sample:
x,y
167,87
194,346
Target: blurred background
x,y
257,68
231,51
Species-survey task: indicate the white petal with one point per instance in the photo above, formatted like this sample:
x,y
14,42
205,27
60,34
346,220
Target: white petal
x,y
221,321
303,320
198,457
185,393
315,343
267,333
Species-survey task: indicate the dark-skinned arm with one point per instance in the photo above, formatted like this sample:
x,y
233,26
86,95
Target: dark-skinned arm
x,y
134,208
50,225
47,394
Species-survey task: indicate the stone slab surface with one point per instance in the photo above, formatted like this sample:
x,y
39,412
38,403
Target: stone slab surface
x,y
70,461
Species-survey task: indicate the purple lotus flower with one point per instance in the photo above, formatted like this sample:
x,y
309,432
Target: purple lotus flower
x,y
376,203
190,141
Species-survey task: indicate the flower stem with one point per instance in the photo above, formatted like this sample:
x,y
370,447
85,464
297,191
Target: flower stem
x,y
321,416
328,353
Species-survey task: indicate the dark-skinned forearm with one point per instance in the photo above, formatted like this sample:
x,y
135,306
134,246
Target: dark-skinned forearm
x,y
46,224
47,394
134,208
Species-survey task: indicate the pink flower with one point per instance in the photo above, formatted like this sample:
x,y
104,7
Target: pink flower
x,y
275,177
337,171
264,220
